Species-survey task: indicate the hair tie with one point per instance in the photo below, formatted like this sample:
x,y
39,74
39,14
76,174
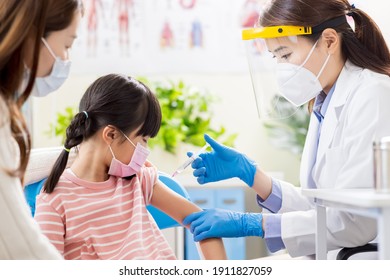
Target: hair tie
x,y
350,12
86,114
66,149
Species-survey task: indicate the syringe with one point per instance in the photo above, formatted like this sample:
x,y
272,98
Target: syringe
x,y
181,168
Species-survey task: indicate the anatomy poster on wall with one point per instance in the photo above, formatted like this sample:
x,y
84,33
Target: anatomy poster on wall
x,y
163,36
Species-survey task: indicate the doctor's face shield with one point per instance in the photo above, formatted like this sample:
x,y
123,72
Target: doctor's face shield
x,y
285,66
275,63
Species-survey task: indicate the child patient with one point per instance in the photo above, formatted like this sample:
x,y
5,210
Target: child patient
x,y
96,209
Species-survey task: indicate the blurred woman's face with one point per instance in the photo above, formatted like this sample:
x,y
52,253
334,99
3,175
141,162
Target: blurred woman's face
x,y
60,43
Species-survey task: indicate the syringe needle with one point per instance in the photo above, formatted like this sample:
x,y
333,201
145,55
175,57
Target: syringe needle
x,y
189,160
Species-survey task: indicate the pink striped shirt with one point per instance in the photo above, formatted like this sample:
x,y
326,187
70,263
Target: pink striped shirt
x,y
104,220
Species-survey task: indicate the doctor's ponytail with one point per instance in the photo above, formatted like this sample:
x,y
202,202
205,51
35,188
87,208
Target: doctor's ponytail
x,y
366,46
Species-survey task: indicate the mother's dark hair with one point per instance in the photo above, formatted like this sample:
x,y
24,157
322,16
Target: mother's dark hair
x,y
22,25
61,14
116,100
21,28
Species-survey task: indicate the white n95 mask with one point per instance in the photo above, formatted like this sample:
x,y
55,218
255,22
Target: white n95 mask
x,y
298,84
60,72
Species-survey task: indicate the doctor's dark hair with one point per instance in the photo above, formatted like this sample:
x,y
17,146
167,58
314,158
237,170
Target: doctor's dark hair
x,y
364,47
116,100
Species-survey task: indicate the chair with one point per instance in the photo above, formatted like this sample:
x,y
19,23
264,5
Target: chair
x,y
346,253
163,220
31,191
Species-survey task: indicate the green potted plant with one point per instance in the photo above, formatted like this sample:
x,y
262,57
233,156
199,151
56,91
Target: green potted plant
x,y
186,117
63,120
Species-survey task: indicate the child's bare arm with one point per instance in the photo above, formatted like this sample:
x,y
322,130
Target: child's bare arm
x,y
178,208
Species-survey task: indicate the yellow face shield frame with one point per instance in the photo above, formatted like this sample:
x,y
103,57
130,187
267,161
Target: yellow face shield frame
x,y
266,47
275,32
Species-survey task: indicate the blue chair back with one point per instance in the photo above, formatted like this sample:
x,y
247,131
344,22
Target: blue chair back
x,y
163,220
31,191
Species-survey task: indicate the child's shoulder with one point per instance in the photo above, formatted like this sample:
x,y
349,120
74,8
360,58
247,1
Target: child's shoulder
x,y
147,178
148,171
63,186
148,174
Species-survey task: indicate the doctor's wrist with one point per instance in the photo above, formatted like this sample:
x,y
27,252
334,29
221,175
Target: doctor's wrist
x,y
248,170
252,223
262,184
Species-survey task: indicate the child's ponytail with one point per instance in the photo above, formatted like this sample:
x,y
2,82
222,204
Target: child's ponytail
x,y
75,134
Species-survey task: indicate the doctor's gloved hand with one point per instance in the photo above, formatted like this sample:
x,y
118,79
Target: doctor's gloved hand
x,y
222,223
223,163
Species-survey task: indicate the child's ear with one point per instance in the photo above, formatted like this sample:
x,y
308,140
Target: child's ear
x,y
109,134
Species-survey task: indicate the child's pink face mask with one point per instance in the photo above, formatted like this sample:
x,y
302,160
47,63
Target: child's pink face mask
x,y
119,169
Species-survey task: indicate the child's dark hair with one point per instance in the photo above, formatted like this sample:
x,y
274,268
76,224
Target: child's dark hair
x,y
116,100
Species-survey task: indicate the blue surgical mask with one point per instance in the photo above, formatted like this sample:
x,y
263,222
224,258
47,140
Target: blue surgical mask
x,y
60,72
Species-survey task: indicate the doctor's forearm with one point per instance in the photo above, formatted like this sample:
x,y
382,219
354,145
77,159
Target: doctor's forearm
x,y
262,184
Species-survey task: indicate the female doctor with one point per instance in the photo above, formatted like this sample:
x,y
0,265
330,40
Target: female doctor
x,y
34,40
319,56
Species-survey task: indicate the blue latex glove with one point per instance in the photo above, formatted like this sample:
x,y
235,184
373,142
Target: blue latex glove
x,y
222,223
223,163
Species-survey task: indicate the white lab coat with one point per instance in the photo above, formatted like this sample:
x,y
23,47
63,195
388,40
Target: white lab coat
x,y
358,113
